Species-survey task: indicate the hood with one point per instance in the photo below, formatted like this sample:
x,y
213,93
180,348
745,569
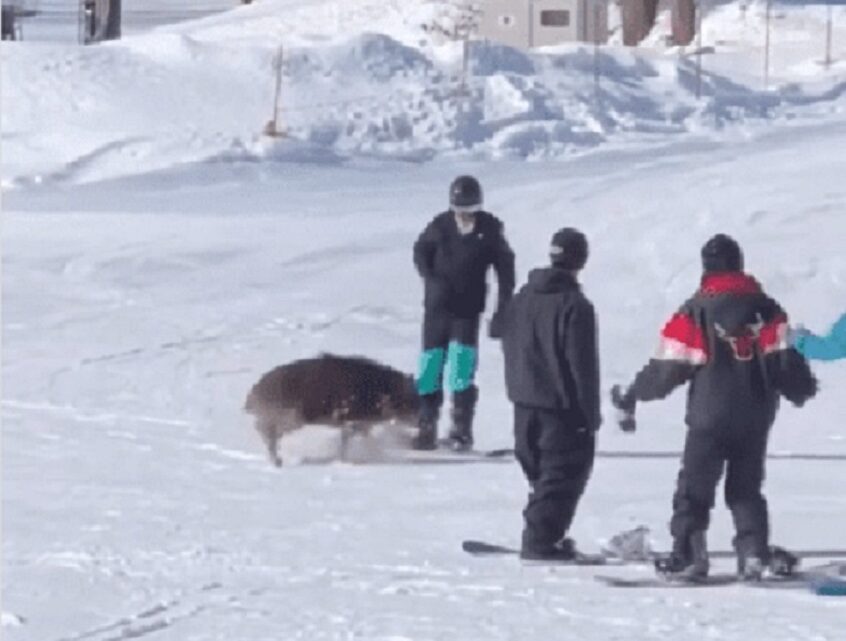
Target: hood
x,y
551,280
728,283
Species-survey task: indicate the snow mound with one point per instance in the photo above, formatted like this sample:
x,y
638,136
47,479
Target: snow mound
x,y
359,79
10,620
373,95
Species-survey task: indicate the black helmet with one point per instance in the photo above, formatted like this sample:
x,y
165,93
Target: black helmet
x,y
569,249
465,192
722,254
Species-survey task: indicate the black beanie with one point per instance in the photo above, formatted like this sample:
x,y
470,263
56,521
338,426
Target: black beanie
x,y
722,254
569,249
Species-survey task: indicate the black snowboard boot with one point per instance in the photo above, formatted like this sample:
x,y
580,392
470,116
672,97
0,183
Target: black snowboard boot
x,y
750,568
777,562
782,562
463,409
564,550
688,561
427,422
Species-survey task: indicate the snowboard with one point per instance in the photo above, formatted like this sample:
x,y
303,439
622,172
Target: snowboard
x,y
828,579
447,455
659,582
827,585
483,548
446,445
797,580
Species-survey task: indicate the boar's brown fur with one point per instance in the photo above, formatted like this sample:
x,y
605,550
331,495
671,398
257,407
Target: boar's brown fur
x,y
353,393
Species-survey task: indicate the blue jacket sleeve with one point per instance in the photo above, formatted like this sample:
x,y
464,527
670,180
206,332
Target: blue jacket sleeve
x,y
825,348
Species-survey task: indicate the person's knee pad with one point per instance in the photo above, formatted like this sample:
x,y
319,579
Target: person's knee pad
x,y
461,363
431,371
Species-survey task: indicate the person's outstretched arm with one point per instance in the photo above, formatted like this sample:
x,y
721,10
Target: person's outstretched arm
x,y
823,348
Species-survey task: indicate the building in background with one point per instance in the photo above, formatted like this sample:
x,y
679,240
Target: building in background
x,y
10,31
638,18
14,11
99,20
537,23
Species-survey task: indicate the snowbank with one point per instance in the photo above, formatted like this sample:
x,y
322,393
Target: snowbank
x,y
366,78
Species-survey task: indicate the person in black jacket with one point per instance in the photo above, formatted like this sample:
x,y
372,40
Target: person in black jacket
x,y
453,255
552,378
729,341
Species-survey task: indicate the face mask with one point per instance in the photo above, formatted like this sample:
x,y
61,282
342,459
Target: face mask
x,y
466,221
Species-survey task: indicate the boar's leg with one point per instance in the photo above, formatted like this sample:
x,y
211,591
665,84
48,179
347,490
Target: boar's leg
x,y
348,430
270,435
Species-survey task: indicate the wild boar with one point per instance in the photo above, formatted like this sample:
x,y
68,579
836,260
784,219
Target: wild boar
x,y
352,393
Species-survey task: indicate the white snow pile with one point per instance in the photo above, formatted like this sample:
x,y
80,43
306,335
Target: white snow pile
x,y
513,105
367,78
10,620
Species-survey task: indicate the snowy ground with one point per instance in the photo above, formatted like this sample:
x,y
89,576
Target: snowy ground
x,y
143,294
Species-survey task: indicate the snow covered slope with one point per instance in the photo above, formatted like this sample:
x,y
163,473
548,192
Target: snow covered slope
x,y
137,313
139,306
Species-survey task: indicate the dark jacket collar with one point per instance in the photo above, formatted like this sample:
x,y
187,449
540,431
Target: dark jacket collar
x,y
552,280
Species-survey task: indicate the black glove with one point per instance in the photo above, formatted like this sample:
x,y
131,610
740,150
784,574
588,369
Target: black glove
x,y
496,326
625,404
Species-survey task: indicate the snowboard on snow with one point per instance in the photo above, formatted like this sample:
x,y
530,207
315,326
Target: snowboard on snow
x,y
819,583
827,579
482,548
446,446
448,455
797,580
829,585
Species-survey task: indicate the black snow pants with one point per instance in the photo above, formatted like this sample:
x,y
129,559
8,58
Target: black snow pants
x,y
449,343
707,452
556,454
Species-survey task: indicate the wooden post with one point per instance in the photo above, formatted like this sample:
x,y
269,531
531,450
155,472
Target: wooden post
x,y
86,21
465,64
828,27
700,9
531,24
596,12
112,23
9,24
273,128
767,46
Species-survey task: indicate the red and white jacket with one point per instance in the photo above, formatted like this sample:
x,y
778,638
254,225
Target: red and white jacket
x,y
730,341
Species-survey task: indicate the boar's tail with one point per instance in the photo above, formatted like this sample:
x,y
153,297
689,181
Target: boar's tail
x,y
251,404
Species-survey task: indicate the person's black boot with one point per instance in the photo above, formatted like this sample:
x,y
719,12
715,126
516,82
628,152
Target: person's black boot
x,y
782,562
427,422
688,561
565,550
775,562
463,410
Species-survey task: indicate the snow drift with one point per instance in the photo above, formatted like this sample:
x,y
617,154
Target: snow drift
x,y
366,78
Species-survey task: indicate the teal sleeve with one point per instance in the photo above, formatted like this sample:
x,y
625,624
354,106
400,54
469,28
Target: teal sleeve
x,y
825,348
